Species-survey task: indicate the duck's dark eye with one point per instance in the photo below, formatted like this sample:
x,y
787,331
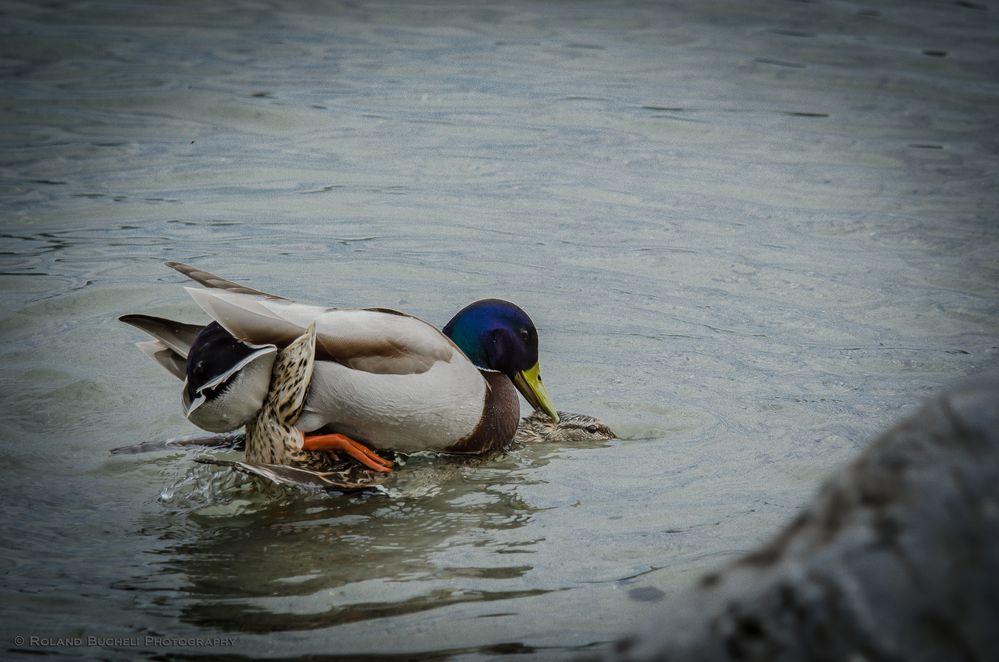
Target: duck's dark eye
x,y
592,429
524,334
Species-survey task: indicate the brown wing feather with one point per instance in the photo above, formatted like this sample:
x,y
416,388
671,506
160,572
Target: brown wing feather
x,y
292,476
210,280
376,355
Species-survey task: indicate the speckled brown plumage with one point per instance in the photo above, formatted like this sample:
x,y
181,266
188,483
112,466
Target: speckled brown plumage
x,y
571,428
271,438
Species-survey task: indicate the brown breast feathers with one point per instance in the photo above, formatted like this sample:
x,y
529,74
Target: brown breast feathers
x,y
500,417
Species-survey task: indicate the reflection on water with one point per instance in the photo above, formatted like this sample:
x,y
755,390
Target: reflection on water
x,y
751,235
257,559
294,567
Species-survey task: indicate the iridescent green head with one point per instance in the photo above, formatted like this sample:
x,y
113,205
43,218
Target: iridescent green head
x,y
498,335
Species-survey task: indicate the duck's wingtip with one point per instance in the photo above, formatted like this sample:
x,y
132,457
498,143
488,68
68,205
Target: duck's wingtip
x,y
167,358
214,282
185,269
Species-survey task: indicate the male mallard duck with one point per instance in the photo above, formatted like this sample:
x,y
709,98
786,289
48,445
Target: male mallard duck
x,y
381,377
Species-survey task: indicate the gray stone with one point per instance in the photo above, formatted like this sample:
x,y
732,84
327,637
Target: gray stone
x,y
897,558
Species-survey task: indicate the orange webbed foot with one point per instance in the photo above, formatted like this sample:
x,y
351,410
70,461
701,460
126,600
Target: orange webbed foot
x,y
355,449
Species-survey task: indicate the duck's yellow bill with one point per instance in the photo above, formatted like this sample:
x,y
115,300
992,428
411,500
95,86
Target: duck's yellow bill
x,y
528,382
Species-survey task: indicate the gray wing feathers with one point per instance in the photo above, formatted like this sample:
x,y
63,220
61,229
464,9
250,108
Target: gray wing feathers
x,y
173,362
178,336
246,319
212,281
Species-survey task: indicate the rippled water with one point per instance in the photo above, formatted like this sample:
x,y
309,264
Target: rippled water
x,y
752,235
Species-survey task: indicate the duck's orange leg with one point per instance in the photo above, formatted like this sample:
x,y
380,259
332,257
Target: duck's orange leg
x,y
355,449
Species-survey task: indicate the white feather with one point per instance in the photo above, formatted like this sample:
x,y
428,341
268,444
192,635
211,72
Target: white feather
x,y
427,411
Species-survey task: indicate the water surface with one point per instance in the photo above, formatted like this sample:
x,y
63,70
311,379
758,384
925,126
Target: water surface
x,y
752,235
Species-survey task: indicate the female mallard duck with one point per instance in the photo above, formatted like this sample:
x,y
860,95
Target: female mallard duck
x,y
571,428
536,428
381,378
341,475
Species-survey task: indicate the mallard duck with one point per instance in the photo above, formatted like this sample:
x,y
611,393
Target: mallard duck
x,y
322,471
381,378
345,476
536,428
274,446
571,428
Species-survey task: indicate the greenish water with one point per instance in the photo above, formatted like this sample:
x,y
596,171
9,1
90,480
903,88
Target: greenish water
x,y
751,235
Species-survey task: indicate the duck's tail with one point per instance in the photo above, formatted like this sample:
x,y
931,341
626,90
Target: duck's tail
x,y
172,341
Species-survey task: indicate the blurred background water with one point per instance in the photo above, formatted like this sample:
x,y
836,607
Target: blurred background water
x,y
751,234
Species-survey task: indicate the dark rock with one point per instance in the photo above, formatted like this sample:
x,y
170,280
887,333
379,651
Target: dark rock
x,y
897,558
